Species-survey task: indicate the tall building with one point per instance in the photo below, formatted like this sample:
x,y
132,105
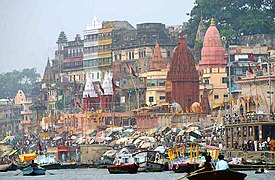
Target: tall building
x,y
182,84
132,60
212,68
68,62
73,60
155,78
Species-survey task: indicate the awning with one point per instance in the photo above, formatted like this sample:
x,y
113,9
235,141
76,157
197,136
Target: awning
x,y
62,148
11,153
216,105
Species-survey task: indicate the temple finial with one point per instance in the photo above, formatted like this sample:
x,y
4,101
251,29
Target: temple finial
x,y
212,22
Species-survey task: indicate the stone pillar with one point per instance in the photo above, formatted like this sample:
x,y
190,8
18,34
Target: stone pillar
x,y
226,138
247,133
260,133
253,133
237,135
242,136
231,137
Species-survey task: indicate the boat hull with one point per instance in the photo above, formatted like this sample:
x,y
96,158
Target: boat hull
x,y
151,167
5,167
217,175
185,167
33,171
123,169
247,167
51,166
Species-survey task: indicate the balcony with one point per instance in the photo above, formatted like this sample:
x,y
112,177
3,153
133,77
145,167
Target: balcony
x,y
25,112
206,86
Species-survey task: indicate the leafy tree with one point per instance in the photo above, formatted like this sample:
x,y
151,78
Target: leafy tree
x,y
25,80
233,18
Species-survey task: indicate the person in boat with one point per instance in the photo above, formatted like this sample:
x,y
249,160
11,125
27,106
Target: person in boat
x,y
207,165
33,164
221,164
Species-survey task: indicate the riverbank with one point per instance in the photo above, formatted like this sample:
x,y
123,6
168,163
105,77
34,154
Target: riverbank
x,y
103,174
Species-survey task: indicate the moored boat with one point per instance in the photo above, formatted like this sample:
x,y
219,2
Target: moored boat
x,y
33,171
185,167
5,167
217,175
123,169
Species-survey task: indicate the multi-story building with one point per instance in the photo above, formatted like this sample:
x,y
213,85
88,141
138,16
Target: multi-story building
x,y
73,60
132,57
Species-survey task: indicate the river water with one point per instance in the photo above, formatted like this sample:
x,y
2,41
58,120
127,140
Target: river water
x,y
103,174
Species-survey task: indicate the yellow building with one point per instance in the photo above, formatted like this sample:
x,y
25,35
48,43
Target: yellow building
x,y
215,81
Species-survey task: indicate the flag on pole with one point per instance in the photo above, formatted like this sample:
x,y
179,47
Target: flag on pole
x,y
115,87
251,57
250,70
132,71
101,88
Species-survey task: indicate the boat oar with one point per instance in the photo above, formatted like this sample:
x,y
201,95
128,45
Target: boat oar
x,y
190,173
17,174
50,173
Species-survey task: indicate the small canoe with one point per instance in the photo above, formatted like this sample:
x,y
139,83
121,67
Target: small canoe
x,y
217,175
5,167
33,171
124,169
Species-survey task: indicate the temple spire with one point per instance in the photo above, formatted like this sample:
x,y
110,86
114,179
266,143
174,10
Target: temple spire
x,y
157,62
182,77
212,22
200,34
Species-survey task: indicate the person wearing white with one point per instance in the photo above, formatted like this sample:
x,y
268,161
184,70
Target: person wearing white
x,y
221,164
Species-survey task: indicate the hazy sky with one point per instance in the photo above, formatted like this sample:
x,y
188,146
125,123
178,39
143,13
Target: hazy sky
x,y
30,28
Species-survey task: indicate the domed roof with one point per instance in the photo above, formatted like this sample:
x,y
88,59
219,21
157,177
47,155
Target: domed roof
x,y
212,54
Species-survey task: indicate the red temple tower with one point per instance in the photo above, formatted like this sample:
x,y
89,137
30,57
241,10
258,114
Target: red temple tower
x,y
182,83
212,53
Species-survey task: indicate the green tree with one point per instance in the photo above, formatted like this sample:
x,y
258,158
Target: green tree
x,y
233,17
25,80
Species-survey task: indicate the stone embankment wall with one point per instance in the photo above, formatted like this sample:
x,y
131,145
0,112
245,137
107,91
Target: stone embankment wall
x,y
91,153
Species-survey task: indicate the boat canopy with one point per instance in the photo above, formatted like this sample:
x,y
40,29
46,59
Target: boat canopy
x,y
11,153
27,157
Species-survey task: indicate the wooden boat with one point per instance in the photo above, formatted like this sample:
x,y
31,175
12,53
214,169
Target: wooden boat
x,y
185,167
33,171
217,175
246,167
51,166
149,161
260,171
70,165
123,168
5,167
151,167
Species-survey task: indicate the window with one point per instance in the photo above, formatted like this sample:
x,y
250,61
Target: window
x,y
224,80
216,96
152,82
161,97
161,82
168,53
151,99
206,81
